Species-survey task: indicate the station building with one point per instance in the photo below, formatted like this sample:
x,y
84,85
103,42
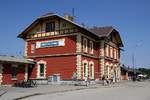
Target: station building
x,y
60,46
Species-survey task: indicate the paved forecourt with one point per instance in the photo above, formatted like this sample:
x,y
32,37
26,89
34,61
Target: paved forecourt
x,y
124,91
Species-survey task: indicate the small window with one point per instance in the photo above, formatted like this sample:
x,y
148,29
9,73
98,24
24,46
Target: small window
x,y
85,45
111,52
85,69
14,73
41,70
107,50
91,70
91,47
32,48
50,27
107,71
64,25
115,54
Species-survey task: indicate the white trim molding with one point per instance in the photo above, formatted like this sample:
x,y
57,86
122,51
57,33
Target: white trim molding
x,y
38,69
1,74
26,48
78,68
78,57
26,72
102,59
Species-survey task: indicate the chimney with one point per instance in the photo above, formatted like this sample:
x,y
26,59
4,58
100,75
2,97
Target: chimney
x,y
68,17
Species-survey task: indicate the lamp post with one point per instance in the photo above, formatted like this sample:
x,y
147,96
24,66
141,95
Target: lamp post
x,y
133,61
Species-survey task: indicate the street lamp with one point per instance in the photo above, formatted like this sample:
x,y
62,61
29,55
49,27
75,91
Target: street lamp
x,y
133,61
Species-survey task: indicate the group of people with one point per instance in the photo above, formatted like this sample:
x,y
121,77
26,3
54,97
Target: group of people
x,y
107,81
74,79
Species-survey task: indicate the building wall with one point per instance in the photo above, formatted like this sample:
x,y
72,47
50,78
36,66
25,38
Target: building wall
x,y
63,65
70,42
124,75
7,74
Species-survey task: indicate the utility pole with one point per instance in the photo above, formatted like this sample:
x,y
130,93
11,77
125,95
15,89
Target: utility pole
x,y
133,63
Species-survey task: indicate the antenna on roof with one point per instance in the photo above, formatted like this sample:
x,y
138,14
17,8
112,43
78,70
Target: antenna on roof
x,y
73,13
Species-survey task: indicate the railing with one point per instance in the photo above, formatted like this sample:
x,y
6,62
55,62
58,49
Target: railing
x,y
54,33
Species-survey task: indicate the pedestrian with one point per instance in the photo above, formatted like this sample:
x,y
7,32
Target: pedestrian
x,y
107,80
74,77
104,80
86,80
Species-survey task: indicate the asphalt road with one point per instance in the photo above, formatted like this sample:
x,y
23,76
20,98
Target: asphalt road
x,y
125,91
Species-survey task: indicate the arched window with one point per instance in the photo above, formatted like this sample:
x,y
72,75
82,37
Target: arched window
x,y
91,69
85,68
85,46
107,71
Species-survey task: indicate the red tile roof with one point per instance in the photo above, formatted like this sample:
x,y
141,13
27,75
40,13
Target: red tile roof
x,y
102,31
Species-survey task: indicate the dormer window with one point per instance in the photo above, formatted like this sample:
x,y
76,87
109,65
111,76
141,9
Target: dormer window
x,y
50,26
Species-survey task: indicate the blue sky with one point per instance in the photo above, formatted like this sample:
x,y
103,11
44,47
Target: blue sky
x,y
130,17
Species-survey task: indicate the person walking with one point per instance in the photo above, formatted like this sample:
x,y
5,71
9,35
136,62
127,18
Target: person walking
x,y
74,78
86,80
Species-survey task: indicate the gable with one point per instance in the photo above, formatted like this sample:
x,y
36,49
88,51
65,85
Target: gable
x,y
114,37
39,27
76,27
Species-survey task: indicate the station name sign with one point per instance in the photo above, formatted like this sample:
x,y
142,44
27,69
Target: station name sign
x,y
51,43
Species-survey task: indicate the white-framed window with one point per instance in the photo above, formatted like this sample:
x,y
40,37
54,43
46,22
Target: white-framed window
x,y
41,70
107,50
85,68
41,73
33,48
14,72
111,52
50,26
107,71
111,71
115,54
91,69
85,46
91,47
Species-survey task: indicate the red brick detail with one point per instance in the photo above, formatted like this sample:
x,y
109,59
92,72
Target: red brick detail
x,y
7,71
70,47
65,66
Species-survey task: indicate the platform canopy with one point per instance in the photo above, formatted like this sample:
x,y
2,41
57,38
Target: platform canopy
x,y
15,59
